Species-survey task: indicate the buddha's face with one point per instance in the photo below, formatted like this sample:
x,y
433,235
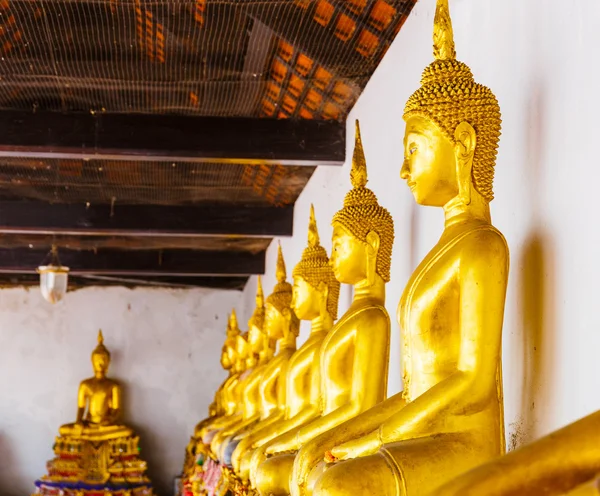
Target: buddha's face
x,y
241,350
348,256
429,163
226,362
230,350
305,300
274,322
256,339
100,363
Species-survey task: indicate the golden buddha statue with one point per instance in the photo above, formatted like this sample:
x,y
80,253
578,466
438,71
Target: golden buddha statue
x,y
449,417
260,351
282,327
587,489
221,406
354,355
96,453
315,298
566,462
206,471
232,392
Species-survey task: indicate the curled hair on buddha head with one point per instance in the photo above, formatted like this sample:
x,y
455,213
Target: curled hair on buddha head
x,y
315,269
281,296
362,213
449,95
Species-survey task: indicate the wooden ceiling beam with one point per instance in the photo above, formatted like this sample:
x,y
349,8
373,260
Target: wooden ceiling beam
x,y
139,263
33,217
76,282
171,137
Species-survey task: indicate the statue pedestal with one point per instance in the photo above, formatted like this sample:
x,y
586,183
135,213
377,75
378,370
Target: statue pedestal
x,y
83,467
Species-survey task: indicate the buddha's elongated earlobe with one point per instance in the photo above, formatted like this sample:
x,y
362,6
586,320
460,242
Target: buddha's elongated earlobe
x,y
466,140
373,242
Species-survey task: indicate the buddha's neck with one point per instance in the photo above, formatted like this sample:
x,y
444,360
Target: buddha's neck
x,y
456,211
322,324
264,356
99,375
288,341
365,291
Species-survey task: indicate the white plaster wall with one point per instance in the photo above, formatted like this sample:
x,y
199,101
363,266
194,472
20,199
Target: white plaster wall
x,y
539,57
165,347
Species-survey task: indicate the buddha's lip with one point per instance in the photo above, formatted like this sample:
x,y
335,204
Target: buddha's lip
x,y
411,184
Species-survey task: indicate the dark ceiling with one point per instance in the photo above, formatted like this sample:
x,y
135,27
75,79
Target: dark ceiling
x,y
166,142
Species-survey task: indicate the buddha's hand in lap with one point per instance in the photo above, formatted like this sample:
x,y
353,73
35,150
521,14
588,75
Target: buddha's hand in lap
x,y
363,446
308,458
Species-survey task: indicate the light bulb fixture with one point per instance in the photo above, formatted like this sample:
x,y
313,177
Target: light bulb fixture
x,y
54,278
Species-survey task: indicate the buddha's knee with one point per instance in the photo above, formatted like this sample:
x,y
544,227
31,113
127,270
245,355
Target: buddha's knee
x,y
245,465
368,476
273,476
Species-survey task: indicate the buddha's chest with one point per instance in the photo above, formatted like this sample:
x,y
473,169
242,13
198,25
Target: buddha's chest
x,y
269,382
299,374
429,315
99,397
299,380
337,363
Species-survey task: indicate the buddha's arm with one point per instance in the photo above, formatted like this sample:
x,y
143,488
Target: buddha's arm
x,y
551,465
369,384
369,373
248,439
308,414
115,404
482,278
81,403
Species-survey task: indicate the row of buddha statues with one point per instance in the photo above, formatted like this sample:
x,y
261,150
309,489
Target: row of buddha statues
x,y
316,420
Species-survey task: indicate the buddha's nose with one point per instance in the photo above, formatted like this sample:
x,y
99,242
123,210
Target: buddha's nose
x,y
405,170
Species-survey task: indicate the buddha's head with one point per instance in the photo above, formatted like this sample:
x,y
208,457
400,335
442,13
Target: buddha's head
x,y
241,345
256,334
452,128
100,357
280,318
316,291
229,351
363,231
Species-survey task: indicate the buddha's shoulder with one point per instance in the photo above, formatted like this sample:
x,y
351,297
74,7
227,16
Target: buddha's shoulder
x,y
483,239
369,313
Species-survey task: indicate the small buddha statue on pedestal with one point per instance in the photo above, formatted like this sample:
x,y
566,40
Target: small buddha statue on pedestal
x,y
449,417
315,298
564,463
96,454
354,355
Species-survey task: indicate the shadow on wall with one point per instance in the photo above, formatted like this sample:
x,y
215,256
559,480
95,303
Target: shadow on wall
x,y
9,469
539,335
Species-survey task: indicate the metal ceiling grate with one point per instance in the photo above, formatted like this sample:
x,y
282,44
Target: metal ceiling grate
x,y
150,183
200,57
